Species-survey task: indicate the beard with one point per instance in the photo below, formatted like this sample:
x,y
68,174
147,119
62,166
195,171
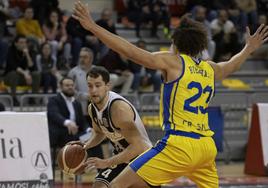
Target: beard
x,y
68,93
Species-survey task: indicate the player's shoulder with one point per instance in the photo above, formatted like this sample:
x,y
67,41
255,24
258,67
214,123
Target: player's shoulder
x,y
168,57
120,105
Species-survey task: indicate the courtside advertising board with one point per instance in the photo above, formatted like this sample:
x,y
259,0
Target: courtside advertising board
x,y
24,150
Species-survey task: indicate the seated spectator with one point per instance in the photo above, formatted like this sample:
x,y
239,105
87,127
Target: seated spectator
x,y
47,66
20,68
142,76
161,10
81,38
199,14
30,28
225,36
55,32
42,8
120,75
78,74
4,15
65,117
3,52
248,16
2,107
106,21
139,12
262,52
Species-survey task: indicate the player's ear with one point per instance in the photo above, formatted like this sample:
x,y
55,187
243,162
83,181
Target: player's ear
x,y
109,85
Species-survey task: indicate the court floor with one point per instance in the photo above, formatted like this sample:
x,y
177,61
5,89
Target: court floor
x,y
231,176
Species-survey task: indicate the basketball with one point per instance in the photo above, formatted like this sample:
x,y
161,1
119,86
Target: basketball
x,y
71,159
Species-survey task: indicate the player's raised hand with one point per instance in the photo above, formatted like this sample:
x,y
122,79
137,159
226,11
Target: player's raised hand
x,y
82,14
254,41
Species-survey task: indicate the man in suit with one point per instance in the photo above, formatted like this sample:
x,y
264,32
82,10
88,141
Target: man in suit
x,y
65,117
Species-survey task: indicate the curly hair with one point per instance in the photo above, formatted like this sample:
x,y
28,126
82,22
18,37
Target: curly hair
x,y
190,37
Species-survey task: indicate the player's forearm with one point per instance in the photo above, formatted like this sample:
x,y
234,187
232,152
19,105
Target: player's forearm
x,y
121,46
95,140
237,60
128,154
113,41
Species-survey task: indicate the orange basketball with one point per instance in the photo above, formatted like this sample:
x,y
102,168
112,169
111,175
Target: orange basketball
x,y
71,159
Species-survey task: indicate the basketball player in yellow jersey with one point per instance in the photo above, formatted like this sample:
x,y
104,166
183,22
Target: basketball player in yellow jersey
x,y
187,148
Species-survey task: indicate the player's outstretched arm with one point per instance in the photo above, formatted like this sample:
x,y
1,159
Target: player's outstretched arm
x,y
116,43
253,42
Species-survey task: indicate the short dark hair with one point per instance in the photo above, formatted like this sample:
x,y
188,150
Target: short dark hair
x,y
65,78
88,50
97,71
190,37
18,37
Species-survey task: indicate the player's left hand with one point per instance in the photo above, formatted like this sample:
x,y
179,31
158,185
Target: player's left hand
x,y
253,42
82,14
98,163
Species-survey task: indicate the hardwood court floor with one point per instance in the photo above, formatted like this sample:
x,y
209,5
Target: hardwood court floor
x,y
231,175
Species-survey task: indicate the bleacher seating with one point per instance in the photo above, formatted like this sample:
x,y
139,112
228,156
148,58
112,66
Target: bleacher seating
x,y
7,101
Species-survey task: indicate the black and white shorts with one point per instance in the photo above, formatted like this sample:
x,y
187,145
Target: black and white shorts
x,y
108,174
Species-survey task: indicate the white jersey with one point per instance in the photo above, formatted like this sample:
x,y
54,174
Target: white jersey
x,y
102,118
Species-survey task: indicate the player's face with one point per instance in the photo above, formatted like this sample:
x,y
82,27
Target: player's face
x,y
98,89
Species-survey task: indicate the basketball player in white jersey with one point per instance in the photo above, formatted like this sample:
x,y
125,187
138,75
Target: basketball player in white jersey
x,y
113,117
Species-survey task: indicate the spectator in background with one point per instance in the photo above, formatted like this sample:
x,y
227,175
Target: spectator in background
x,y
3,52
248,12
139,12
47,66
30,28
106,21
120,74
55,32
3,43
4,14
262,52
161,10
78,74
262,7
42,8
2,107
80,38
199,14
20,68
65,117
144,76
225,36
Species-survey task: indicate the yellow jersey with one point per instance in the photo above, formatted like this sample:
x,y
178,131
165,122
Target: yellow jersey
x,y
184,101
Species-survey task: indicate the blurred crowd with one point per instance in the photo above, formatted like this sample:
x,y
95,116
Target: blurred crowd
x,y
39,42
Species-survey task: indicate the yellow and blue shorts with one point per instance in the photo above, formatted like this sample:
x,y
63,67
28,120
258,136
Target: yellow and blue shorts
x,y
179,154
